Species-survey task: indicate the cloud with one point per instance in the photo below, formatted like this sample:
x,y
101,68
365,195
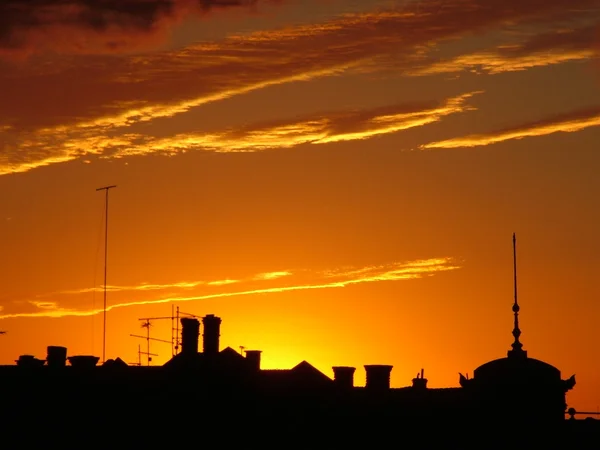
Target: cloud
x,y
565,123
272,275
330,279
561,46
96,27
222,282
139,287
162,287
44,305
320,129
79,107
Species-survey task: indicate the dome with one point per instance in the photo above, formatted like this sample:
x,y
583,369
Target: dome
x,y
522,369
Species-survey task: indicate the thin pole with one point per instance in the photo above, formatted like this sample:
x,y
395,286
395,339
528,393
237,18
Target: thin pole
x,y
515,265
148,340
177,332
106,188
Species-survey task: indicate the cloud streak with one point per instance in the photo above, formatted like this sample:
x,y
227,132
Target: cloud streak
x,y
321,129
328,280
170,286
565,123
318,129
545,49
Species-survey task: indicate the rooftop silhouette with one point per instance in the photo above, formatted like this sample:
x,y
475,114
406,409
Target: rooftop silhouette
x,y
507,397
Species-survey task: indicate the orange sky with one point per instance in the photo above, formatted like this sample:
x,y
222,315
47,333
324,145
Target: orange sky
x,y
338,180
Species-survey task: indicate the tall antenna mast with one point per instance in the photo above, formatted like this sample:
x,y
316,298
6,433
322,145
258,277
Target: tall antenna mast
x,y
517,347
515,267
106,189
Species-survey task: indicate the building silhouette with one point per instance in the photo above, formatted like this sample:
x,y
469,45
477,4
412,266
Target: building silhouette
x,y
203,388
512,402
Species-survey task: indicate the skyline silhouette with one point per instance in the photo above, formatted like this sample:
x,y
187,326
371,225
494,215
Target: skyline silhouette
x,y
515,400
515,383
336,180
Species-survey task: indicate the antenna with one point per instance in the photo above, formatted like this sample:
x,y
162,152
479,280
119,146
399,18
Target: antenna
x,y
106,189
517,347
515,265
147,324
174,331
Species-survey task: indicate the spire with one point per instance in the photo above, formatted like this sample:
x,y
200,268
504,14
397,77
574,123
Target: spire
x,y
517,347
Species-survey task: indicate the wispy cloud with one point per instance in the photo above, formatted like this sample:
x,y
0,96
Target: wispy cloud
x,y
44,305
222,282
556,47
165,286
331,279
40,128
272,275
565,123
497,62
320,129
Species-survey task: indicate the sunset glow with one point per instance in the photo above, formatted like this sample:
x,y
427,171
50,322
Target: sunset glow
x,y
338,180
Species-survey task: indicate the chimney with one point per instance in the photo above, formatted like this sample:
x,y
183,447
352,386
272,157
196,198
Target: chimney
x,y
190,330
253,358
344,376
83,361
420,382
212,325
29,361
56,356
378,377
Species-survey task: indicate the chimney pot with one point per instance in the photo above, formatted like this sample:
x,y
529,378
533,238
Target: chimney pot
x,y
420,382
190,330
83,361
344,376
253,358
56,356
378,377
212,326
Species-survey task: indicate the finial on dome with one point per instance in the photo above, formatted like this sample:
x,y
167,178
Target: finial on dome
x,y
517,347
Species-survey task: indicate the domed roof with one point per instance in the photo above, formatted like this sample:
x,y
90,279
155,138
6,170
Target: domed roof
x,y
521,368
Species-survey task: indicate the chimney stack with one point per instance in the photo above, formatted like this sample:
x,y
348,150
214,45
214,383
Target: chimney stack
x,y
56,356
190,330
378,377
420,382
344,376
253,358
83,361
212,326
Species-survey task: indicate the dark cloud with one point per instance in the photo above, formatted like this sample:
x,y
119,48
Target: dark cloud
x,y
72,89
96,26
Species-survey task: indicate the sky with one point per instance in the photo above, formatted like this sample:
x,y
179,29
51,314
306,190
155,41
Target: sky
x,y
338,180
